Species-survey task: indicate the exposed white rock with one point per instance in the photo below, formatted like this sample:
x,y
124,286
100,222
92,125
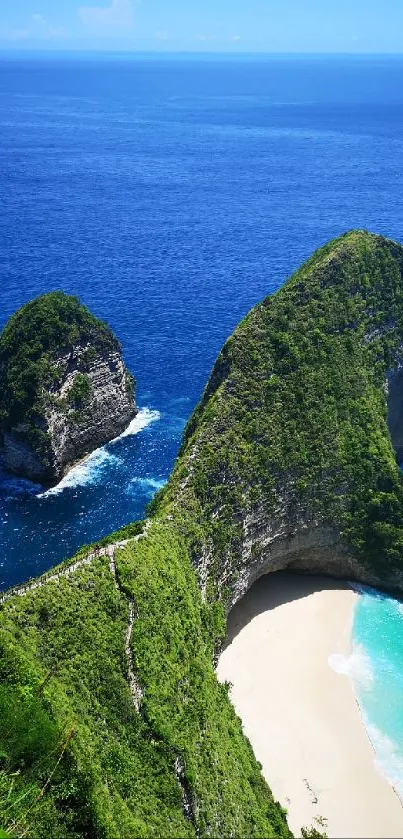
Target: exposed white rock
x,y
73,433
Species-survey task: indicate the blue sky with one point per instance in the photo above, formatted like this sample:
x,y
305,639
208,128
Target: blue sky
x,y
204,25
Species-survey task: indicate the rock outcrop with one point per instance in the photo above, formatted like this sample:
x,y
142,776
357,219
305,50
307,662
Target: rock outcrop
x,y
292,458
64,388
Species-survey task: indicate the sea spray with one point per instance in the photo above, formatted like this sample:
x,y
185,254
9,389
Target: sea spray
x,y
144,418
89,471
388,756
375,668
92,468
357,666
147,485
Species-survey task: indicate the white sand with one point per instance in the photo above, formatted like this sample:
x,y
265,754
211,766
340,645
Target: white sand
x,y
302,717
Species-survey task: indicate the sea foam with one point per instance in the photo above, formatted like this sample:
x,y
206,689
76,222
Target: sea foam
x,y
91,470
378,637
148,485
356,666
360,588
387,760
144,418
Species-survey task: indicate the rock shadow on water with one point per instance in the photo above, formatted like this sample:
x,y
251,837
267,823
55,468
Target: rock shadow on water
x,y
273,590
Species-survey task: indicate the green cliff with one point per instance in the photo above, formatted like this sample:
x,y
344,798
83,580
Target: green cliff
x,y
64,389
112,723
291,458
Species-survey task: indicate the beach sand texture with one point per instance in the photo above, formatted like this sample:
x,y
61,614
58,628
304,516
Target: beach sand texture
x,y
300,716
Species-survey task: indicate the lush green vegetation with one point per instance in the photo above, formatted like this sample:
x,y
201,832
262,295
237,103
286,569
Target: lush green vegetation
x,y
130,385
80,390
128,531
78,759
295,408
30,345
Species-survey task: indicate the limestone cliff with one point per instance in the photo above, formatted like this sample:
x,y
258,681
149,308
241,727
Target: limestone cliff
x,y
64,388
291,459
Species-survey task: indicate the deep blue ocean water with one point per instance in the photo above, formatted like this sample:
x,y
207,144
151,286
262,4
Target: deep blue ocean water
x,y
172,194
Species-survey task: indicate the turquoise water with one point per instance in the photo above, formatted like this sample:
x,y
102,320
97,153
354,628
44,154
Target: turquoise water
x,y
376,669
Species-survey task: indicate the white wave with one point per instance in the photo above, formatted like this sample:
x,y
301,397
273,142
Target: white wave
x,y
388,759
356,666
147,484
360,588
369,591
92,468
144,418
89,471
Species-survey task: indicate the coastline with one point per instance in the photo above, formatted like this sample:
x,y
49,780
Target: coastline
x,y
144,417
302,717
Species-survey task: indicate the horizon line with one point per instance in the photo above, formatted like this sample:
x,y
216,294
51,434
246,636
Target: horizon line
x,y
188,52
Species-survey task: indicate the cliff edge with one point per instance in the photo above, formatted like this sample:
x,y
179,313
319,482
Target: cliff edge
x,y
292,458
64,388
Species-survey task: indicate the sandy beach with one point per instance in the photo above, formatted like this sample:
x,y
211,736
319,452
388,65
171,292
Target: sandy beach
x,y
300,715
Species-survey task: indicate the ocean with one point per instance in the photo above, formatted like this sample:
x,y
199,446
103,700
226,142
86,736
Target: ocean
x,y
172,194
375,667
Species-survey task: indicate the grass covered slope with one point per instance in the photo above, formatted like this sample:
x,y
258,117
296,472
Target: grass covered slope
x,y
291,435
80,757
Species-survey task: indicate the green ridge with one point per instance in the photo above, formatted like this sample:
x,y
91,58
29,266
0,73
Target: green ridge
x,y
30,344
62,653
297,399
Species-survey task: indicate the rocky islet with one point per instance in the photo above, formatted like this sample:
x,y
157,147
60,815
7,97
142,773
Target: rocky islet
x,y
64,387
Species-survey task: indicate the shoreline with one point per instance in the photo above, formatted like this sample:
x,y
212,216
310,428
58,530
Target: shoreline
x,y
144,417
301,716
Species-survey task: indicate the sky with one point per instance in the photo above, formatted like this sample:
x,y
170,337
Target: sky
x,y
354,26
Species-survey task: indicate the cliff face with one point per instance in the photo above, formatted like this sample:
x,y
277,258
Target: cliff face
x,y
112,722
82,394
291,459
